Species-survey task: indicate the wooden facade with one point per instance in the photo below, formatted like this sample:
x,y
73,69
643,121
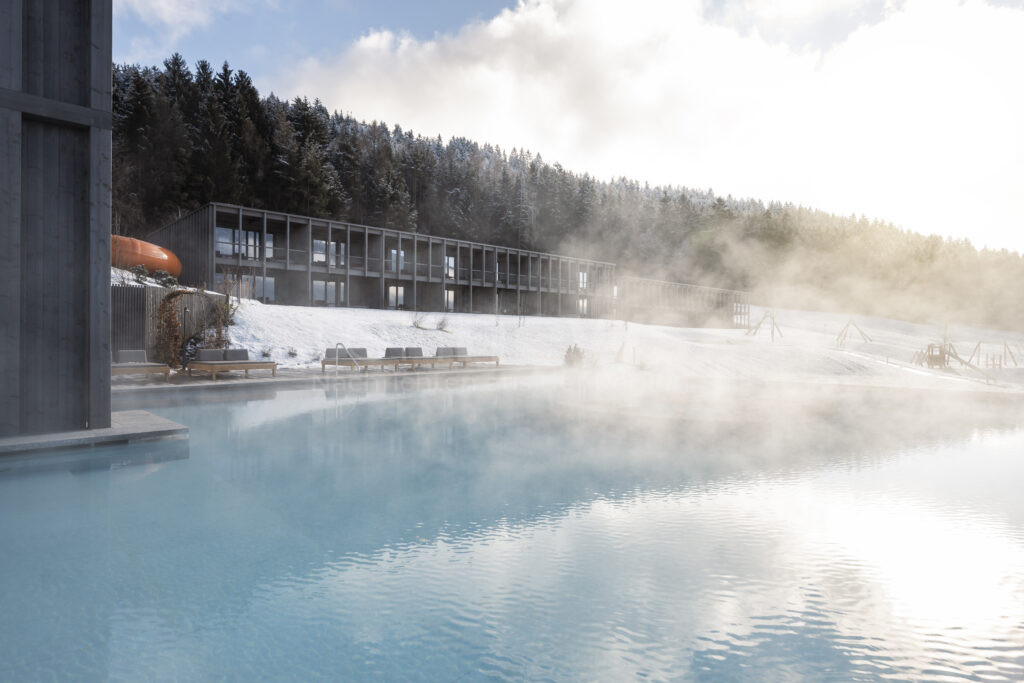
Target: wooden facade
x,y
674,303
134,320
302,260
55,128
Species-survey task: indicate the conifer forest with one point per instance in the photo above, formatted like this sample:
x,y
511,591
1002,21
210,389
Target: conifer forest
x,y
184,136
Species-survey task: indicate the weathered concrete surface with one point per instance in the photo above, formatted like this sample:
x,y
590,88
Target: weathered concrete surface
x,y
125,426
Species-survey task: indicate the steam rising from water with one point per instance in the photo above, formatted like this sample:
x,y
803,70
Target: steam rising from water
x,y
568,525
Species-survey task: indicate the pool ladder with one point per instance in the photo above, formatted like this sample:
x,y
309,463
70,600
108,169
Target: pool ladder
x,y
337,358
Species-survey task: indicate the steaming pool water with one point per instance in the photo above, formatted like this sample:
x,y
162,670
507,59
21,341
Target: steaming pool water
x,y
548,530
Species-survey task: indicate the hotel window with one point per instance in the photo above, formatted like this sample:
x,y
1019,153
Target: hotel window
x,y
449,299
396,296
268,248
583,279
397,260
225,242
581,307
331,294
319,251
265,289
449,266
336,251
319,293
341,293
252,244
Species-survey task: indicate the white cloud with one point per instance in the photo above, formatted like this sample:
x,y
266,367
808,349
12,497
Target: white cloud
x,y
175,19
912,115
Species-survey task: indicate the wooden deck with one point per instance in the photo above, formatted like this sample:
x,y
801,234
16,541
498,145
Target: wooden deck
x,y
413,362
141,369
217,366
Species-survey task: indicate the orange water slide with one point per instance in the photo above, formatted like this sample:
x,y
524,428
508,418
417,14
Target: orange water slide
x,y
126,252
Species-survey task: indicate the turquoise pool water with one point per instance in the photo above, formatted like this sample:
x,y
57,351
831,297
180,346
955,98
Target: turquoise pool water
x,y
542,531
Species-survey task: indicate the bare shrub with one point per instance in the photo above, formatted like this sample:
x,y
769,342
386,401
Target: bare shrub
x,y
168,330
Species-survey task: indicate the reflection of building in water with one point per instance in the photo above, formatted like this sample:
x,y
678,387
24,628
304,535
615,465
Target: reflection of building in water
x,y
302,260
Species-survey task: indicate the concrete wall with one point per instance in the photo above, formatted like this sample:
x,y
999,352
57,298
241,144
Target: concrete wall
x,y
55,215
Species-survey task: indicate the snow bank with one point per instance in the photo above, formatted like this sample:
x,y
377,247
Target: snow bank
x,y
297,336
119,276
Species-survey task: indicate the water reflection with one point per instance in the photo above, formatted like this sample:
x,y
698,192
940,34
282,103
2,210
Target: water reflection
x,y
555,529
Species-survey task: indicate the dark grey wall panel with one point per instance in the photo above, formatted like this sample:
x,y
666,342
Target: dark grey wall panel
x,y
10,269
56,51
191,240
54,277
55,214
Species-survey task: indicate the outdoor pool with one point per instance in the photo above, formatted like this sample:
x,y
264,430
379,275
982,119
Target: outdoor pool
x,y
547,529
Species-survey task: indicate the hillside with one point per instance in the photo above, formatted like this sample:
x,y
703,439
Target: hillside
x,y
296,336
184,138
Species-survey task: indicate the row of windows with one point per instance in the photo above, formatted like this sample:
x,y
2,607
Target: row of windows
x,y
328,293
396,297
245,286
231,242
228,242
332,253
325,292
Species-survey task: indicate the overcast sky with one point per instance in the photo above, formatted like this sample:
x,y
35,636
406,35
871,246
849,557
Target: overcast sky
x,y
907,110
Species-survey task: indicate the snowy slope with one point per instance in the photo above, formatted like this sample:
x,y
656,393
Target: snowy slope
x,y
806,350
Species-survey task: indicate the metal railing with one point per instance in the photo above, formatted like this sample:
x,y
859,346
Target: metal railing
x,y
338,358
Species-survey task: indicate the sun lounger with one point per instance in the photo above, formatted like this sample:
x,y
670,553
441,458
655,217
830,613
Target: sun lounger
x,y
396,356
460,355
133,362
216,361
345,358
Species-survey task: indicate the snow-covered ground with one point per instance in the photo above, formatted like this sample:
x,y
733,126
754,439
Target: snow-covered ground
x,y
297,336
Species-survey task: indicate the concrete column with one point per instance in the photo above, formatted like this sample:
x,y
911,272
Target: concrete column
x,y
309,262
55,155
263,255
348,264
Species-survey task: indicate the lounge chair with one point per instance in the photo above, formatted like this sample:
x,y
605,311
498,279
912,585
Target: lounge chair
x,y
346,358
458,354
225,360
134,362
444,354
